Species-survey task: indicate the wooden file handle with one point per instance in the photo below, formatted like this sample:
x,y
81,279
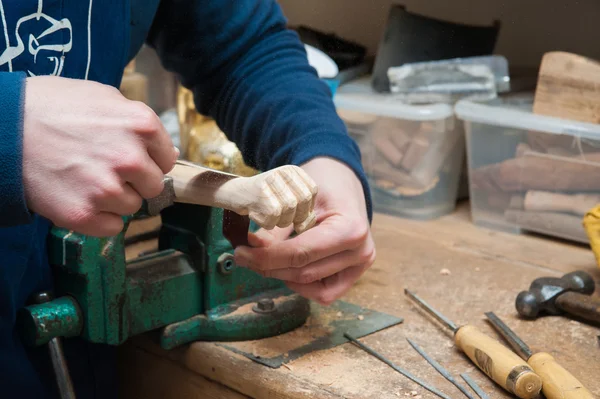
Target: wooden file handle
x,y
498,362
558,382
279,197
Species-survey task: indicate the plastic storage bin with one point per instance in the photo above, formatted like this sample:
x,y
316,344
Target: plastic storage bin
x,y
527,172
413,155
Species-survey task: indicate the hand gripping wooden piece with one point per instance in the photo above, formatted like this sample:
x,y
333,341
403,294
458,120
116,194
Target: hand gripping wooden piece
x,y
276,198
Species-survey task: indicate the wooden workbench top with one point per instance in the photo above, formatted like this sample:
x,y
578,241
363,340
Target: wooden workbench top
x,y
487,270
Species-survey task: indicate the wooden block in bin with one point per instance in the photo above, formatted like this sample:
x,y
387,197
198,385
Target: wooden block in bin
x,y
568,87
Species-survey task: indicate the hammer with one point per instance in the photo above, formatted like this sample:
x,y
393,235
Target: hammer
x,y
569,294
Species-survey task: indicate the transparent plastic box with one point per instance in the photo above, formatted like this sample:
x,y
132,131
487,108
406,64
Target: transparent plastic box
x,y
413,155
528,172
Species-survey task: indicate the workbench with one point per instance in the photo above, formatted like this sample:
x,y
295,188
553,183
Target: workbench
x,y
485,270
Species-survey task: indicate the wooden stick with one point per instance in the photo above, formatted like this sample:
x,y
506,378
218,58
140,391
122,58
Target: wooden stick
x,y
400,139
550,223
278,197
439,152
416,150
544,201
535,171
406,184
383,170
399,132
386,147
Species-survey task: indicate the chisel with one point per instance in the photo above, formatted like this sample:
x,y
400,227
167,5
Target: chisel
x,y
497,361
557,382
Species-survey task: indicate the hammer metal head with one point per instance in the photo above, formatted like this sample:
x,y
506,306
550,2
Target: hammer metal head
x,y
543,292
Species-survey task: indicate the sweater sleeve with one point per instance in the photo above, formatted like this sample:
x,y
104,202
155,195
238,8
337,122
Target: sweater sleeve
x,y
13,208
251,74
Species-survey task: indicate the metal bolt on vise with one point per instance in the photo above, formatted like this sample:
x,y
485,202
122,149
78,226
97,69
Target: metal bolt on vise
x,y
264,305
226,263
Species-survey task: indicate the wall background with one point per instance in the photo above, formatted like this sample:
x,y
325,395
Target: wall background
x,y
529,27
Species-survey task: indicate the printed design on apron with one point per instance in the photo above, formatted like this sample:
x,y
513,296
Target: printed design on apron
x,y
43,38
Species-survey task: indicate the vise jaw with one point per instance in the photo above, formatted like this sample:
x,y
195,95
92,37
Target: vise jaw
x,y
189,290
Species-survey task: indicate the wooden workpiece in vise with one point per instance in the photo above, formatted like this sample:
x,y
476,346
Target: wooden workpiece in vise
x,y
190,289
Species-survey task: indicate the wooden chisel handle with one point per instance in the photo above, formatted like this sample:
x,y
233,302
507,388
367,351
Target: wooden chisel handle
x,y
498,362
558,383
279,197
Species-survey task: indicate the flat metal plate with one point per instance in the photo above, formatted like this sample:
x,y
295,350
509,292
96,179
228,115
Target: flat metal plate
x,y
324,329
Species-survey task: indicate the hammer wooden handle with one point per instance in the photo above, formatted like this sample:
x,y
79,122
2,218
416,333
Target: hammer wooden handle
x,y
498,362
279,197
585,307
558,383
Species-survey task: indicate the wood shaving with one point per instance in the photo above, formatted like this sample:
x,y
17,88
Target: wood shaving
x,y
361,317
414,393
445,272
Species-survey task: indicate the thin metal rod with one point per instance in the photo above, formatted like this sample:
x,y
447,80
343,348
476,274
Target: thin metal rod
x,y
398,369
59,363
440,369
510,336
474,386
440,317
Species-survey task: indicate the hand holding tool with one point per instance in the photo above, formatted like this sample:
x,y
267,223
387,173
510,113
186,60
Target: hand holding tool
x,y
497,361
570,294
278,197
557,382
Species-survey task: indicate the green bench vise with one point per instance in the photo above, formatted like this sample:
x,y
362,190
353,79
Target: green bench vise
x,y
189,290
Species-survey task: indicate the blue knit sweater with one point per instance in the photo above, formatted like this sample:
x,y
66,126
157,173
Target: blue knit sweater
x,y
246,70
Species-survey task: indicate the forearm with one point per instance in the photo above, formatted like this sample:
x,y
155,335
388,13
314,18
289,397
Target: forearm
x,y
252,76
13,207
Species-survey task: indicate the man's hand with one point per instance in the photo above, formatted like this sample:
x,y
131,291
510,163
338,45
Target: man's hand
x,y
324,262
90,155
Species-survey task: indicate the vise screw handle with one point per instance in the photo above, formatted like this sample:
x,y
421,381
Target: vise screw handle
x,y
59,363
